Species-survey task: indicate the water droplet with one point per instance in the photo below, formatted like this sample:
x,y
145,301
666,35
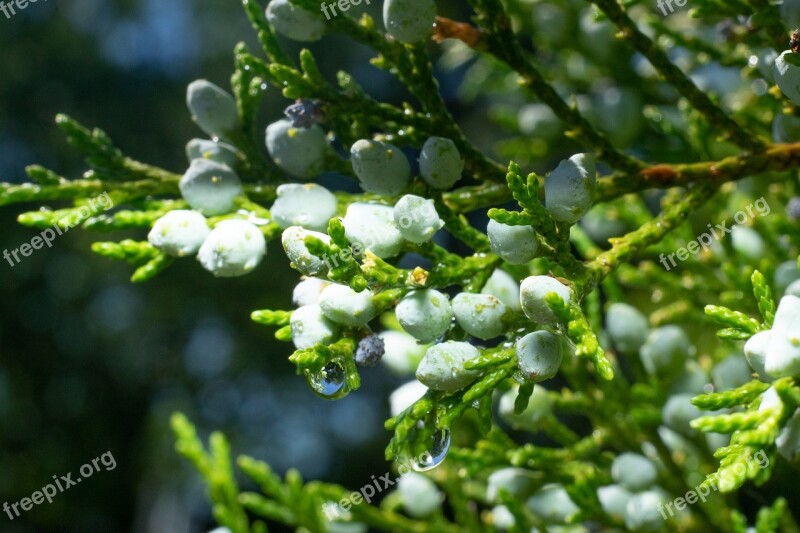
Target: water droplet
x,y
330,382
440,445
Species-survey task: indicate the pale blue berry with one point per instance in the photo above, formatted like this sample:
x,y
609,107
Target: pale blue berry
x,y
443,368
785,128
785,274
731,373
418,494
633,471
678,413
425,314
179,233
793,289
783,355
440,164
665,350
416,218
409,21
502,518
405,396
213,109
552,504
293,240
308,205
539,355
504,287
748,242
233,248
540,407
533,291
788,440
309,327
381,168
539,121
295,22
371,227
299,152
516,245
755,350
210,187
627,327
345,306
518,482
787,76
480,315
402,353
642,512
613,500
307,292
215,151
569,190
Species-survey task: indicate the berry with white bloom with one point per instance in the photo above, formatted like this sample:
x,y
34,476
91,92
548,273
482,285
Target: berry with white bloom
x,y
783,356
731,373
419,495
440,164
309,327
295,22
233,248
402,354
504,287
443,369
297,151
516,245
212,108
614,500
540,406
308,205
308,291
345,306
678,413
480,315
642,512
371,227
210,187
569,190
405,396
793,289
416,218
502,518
381,168
627,327
215,151
633,471
755,350
179,233
532,297
788,440
409,21
425,314
552,504
539,355
519,482
787,76
665,350
293,240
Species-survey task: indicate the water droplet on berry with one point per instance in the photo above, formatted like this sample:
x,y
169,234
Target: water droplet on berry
x,y
330,382
440,445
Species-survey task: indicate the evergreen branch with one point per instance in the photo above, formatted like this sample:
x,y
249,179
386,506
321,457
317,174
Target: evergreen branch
x,y
680,81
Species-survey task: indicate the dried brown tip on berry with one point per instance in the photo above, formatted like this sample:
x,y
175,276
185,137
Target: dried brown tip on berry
x,y
794,42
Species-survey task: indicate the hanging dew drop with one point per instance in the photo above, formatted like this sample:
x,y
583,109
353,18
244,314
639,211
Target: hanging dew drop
x,y
440,445
330,382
